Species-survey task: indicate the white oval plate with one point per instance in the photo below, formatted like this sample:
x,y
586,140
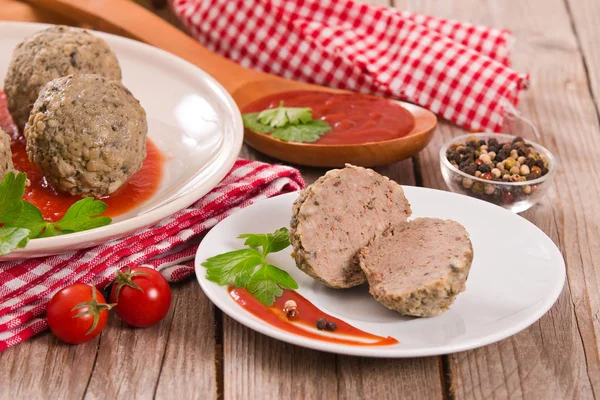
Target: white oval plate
x,y
191,118
516,276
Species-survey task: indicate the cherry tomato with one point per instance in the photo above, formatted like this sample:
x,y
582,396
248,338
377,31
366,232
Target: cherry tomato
x,y
142,295
77,313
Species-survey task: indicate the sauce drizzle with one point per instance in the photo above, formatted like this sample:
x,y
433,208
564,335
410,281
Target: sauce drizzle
x,y
305,323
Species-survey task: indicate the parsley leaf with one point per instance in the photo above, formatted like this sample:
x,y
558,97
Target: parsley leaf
x,y
31,218
270,272
12,189
21,220
270,242
289,124
83,215
282,116
308,132
11,238
267,282
251,122
266,291
224,268
248,268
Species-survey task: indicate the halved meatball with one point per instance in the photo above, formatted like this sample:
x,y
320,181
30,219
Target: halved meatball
x,y
418,267
53,53
336,216
87,134
6,163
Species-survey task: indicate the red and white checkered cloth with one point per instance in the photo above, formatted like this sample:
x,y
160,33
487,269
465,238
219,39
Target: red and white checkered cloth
x,y
457,70
27,286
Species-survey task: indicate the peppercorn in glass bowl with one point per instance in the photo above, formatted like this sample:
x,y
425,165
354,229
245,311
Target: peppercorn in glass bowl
x,y
502,169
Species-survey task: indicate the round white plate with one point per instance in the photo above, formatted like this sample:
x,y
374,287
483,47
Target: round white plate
x,y
516,276
191,118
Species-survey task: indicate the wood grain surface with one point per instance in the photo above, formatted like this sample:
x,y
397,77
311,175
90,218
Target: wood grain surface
x,y
196,352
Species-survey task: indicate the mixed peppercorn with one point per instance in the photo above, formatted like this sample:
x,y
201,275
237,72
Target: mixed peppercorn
x,y
322,324
290,308
515,161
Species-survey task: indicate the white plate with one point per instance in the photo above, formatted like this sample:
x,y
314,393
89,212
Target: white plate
x,y
191,118
516,276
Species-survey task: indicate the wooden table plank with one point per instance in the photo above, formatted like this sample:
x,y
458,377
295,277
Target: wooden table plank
x,y
44,367
372,378
256,366
558,356
189,367
585,15
174,359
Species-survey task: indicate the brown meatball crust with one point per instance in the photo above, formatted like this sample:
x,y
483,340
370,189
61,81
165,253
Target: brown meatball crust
x,y
6,163
87,134
53,53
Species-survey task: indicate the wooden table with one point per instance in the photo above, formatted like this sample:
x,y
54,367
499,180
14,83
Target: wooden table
x,y
197,352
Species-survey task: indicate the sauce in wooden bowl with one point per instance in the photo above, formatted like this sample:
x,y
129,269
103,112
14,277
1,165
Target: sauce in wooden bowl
x,y
355,118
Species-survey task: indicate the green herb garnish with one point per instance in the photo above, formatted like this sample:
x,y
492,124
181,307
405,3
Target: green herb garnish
x,y
248,268
23,221
290,124
12,189
81,216
11,238
282,116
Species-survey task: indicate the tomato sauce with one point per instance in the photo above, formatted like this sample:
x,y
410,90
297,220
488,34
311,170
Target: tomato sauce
x,y
355,118
305,322
53,205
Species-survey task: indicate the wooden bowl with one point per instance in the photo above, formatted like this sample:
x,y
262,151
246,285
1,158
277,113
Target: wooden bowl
x,y
364,154
319,155
245,85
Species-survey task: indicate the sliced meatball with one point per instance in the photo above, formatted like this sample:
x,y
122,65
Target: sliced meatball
x,y
87,134
336,216
418,268
53,53
6,163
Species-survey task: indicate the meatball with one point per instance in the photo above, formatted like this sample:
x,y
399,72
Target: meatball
x,y
87,134
418,268
53,53
6,164
336,216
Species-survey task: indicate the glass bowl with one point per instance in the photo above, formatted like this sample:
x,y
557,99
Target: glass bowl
x,y
515,196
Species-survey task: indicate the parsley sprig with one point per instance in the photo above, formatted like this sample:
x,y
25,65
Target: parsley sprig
x,y
249,269
290,124
21,220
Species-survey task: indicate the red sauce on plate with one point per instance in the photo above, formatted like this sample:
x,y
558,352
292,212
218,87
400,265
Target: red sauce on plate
x,y
53,205
355,118
305,323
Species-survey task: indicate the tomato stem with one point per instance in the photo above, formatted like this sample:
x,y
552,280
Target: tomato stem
x,y
126,279
93,308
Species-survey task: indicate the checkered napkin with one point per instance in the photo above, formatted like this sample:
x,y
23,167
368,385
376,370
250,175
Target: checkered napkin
x,y
27,286
457,70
